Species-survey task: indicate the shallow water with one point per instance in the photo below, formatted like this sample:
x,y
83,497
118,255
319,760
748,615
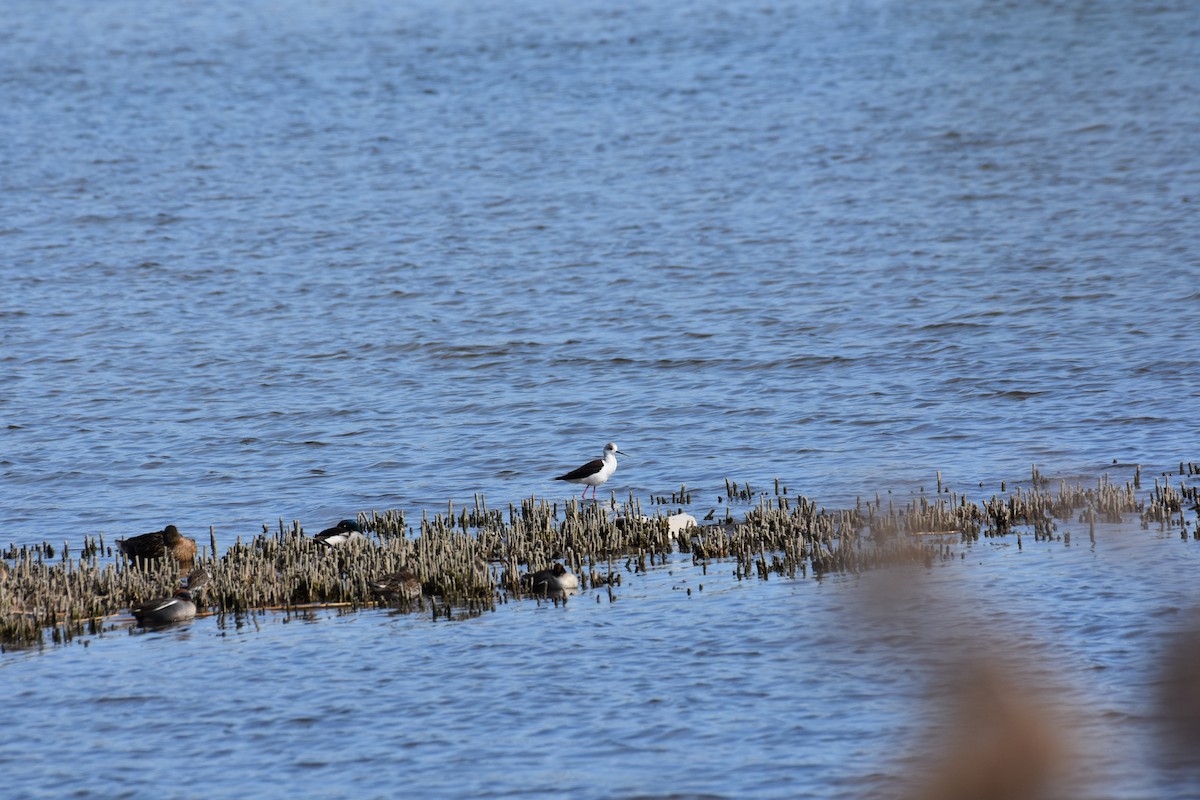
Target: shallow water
x,y
783,688
308,259
264,264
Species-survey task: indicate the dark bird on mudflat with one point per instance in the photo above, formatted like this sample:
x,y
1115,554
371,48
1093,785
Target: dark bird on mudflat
x,y
400,585
153,546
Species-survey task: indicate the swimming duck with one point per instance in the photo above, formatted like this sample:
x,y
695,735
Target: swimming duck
x,y
554,580
179,607
152,546
402,585
345,531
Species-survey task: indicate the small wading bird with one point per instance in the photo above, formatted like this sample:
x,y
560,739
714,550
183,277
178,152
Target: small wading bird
x,y
152,546
345,531
177,608
595,472
555,580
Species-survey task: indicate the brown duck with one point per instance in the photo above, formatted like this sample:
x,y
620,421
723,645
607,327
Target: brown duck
x,y
153,546
402,585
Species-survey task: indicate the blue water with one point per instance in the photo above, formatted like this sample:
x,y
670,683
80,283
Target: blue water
x,y
306,259
777,689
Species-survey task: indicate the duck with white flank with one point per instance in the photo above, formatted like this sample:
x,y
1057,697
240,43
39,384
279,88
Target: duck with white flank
x,y
595,472
556,580
179,607
344,532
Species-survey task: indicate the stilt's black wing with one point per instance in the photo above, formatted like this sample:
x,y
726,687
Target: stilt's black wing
x,y
590,468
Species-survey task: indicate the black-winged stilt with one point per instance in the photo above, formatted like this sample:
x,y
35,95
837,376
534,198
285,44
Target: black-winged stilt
x,y
595,472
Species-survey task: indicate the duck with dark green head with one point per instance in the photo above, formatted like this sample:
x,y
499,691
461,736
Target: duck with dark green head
x,y
345,532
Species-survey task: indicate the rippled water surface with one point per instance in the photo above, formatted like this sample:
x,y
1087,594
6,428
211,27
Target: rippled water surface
x,y
304,259
686,685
